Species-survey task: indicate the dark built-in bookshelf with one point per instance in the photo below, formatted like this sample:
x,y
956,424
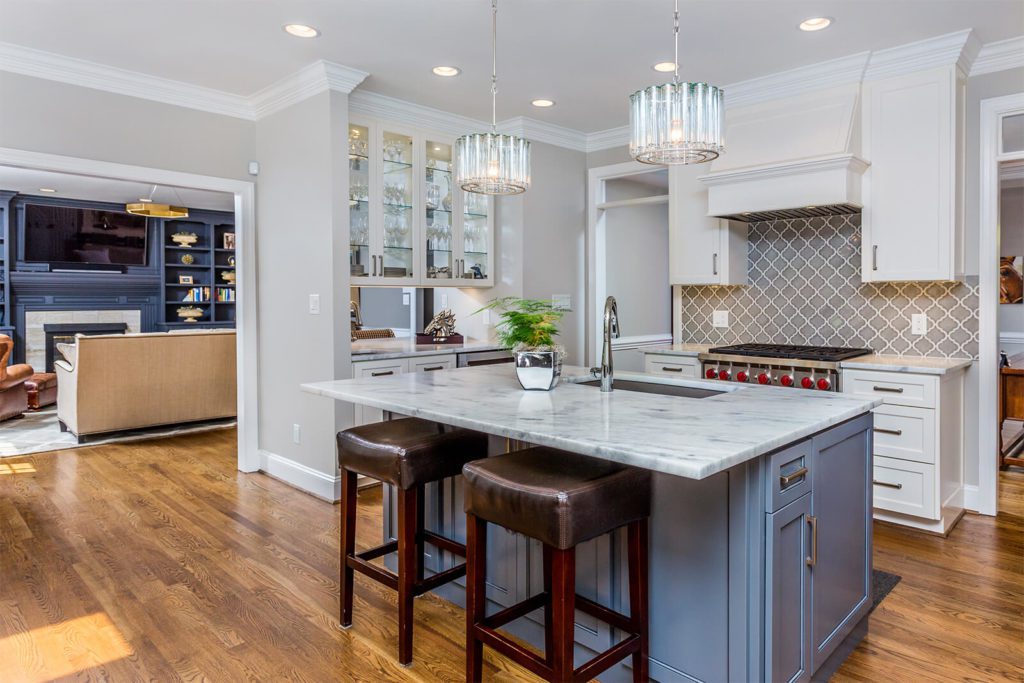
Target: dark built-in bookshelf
x,y
210,259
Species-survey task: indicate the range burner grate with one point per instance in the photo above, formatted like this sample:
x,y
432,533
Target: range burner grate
x,y
792,351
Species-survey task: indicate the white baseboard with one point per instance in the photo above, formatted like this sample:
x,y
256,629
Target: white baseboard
x,y
971,494
300,476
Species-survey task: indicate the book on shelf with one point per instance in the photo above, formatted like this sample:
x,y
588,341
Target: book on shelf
x,y
225,294
197,295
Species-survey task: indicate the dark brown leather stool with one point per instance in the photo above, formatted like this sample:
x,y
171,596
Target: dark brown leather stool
x,y
561,499
408,453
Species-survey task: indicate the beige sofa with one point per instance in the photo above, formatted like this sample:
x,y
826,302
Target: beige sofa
x,y
116,382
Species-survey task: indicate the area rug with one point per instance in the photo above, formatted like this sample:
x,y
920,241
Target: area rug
x,y
882,584
38,432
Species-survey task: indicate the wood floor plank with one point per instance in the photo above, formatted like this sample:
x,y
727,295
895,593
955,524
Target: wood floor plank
x,y
157,560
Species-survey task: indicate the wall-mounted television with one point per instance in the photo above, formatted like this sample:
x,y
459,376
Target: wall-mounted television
x,y
66,236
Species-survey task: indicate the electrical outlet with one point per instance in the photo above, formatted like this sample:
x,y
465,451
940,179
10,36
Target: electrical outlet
x,y
720,319
919,323
406,298
314,304
486,317
296,434
562,302
444,301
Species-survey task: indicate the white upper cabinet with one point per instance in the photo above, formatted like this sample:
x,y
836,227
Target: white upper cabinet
x,y
409,224
703,250
913,204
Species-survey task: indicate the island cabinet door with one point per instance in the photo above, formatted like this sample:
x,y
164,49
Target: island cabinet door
x,y
841,505
788,593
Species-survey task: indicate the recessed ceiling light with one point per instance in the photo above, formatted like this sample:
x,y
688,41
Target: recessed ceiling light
x,y
664,67
47,190
436,148
543,103
301,31
815,23
446,71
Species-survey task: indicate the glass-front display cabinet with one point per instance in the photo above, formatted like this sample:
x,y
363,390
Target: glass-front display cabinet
x,y
410,224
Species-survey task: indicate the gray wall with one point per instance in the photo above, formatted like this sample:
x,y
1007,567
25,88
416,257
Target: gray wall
x,y
384,307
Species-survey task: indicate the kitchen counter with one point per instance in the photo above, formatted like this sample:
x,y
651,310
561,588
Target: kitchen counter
x,y
924,365
686,437
691,350
386,349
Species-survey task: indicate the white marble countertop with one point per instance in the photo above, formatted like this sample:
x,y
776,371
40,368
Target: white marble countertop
x,y
678,349
922,365
687,437
385,349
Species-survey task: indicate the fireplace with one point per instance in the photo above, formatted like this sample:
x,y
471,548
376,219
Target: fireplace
x,y
65,334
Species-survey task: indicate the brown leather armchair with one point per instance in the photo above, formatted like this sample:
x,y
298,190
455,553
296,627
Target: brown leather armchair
x,y
13,398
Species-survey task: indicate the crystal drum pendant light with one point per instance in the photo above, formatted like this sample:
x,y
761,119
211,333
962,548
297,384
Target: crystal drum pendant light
x,y
677,123
493,163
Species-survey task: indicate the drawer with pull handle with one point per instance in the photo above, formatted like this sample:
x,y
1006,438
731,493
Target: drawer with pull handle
x,y
432,363
894,388
789,475
675,366
905,433
905,487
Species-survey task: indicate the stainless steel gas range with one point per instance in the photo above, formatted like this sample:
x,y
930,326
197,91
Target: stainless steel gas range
x,y
814,368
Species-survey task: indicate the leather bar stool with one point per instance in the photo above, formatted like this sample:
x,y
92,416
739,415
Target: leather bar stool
x,y
561,499
407,453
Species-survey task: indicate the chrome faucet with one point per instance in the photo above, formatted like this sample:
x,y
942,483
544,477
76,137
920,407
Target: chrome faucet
x,y
611,331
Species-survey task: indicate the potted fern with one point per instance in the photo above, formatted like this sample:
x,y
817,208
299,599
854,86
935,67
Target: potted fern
x,y
528,328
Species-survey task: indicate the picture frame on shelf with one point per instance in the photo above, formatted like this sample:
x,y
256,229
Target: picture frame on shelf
x,y
185,280
229,240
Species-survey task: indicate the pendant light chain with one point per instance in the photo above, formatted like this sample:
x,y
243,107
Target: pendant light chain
x,y
675,35
494,66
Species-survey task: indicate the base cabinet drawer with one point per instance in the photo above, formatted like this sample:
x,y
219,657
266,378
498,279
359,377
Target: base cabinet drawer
x,y
905,433
673,366
906,487
432,363
896,388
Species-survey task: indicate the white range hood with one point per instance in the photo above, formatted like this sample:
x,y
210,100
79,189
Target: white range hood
x,y
792,158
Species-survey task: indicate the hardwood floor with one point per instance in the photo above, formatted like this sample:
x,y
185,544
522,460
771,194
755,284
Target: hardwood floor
x,y
158,561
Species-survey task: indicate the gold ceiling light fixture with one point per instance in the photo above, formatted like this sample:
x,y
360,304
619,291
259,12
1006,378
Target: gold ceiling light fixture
x,y
147,207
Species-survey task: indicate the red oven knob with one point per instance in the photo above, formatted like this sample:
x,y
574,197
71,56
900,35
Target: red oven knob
x,y
807,383
742,376
764,378
710,373
724,375
824,384
786,380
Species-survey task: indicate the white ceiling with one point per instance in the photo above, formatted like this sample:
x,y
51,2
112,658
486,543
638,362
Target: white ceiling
x,y
587,55
70,186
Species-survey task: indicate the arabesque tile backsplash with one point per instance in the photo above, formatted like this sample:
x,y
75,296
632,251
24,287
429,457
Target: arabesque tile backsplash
x,y
805,288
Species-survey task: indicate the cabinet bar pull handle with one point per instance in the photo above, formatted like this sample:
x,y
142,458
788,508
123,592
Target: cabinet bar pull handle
x,y
874,257
785,479
436,367
374,265
667,369
896,432
886,484
382,373
813,522
891,390
714,264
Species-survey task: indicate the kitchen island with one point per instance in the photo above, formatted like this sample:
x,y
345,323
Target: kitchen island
x,y
760,545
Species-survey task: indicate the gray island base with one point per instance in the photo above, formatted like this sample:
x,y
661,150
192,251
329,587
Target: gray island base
x,y
760,545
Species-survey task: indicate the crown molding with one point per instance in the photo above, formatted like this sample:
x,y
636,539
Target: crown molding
x,y
53,67
310,80
944,50
1006,54
834,72
608,138
542,131
375,105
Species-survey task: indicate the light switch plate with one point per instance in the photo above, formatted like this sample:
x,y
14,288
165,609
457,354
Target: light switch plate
x,y
296,433
720,319
444,301
486,315
314,304
562,302
919,323
405,298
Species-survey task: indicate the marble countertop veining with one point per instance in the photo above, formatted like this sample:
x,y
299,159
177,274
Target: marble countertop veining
x,y
687,437
923,365
386,349
678,349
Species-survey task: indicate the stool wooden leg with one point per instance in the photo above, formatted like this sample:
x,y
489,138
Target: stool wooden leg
x,y
636,540
476,576
348,542
420,524
549,623
407,545
563,601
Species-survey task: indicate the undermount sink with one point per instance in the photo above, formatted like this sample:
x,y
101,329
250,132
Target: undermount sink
x,y
656,388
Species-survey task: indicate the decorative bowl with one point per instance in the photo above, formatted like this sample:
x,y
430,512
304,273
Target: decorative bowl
x,y
185,239
190,314
228,276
